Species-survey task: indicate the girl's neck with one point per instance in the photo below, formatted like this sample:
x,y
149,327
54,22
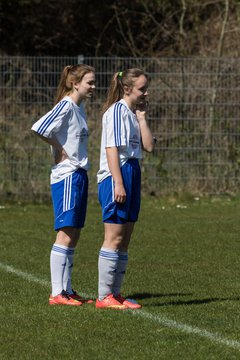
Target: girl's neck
x,y
129,103
75,98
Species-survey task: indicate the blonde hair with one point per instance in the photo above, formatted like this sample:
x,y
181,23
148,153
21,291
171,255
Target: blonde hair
x,y
71,74
118,81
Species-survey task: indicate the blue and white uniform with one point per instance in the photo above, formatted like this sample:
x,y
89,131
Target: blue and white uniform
x,y
120,128
66,123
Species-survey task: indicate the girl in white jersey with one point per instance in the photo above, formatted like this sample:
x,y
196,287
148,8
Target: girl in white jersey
x,y
124,133
65,129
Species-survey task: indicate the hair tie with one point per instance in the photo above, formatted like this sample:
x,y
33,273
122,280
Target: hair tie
x,y
120,74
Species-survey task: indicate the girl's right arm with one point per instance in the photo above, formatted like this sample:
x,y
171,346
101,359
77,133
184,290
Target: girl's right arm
x,y
49,123
59,153
113,164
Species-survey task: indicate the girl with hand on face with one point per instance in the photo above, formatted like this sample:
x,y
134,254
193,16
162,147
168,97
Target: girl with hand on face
x,y
124,133
65,129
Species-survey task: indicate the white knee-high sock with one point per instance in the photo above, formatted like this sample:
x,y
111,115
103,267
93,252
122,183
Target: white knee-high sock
x,y
121,269
58,258
67,276
107,267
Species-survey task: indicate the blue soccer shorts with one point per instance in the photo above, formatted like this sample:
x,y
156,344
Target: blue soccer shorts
x,y
69,197
116,213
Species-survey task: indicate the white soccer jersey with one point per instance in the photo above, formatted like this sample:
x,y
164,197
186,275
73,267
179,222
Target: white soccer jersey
x,y
120,128
66,122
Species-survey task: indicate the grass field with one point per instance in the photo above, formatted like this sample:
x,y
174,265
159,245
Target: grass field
x,y
183,268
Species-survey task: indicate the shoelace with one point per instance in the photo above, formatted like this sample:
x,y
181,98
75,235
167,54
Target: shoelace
x,y
65,294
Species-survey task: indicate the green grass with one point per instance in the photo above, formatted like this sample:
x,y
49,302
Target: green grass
x,y
183,266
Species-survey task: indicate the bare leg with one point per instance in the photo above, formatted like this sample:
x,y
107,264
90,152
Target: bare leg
x,y
68,236
117,236
127,236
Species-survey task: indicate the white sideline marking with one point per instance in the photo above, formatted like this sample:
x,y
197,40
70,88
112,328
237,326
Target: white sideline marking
x,y
172,324
29,277
24,275
215,337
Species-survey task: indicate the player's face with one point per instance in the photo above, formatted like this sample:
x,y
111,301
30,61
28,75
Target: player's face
x,y
86,86
138,92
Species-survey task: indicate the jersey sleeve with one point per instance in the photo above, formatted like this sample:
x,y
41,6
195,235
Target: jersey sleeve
x,y
52,121
115,126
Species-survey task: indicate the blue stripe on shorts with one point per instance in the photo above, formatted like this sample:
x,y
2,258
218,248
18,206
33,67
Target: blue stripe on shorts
x,y
116,213
69,197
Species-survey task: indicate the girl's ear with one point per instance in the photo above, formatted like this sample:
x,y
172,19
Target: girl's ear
x,y
75,85
127,90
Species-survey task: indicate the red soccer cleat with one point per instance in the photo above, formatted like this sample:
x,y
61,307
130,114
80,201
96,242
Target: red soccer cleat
x,y
109,302
63,299
129,303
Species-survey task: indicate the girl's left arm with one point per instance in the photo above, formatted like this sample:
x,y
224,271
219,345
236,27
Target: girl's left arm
x,y
147,138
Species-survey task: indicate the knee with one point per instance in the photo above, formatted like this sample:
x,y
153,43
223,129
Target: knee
x,y
68,236
113,242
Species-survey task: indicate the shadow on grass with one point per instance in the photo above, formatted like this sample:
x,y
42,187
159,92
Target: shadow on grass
x,y
156,295
142,296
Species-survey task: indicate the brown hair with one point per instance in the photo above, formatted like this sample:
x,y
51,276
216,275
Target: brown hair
x,y
118,81
71,74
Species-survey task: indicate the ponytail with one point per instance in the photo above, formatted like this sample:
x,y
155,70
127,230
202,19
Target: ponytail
x,y
115,91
